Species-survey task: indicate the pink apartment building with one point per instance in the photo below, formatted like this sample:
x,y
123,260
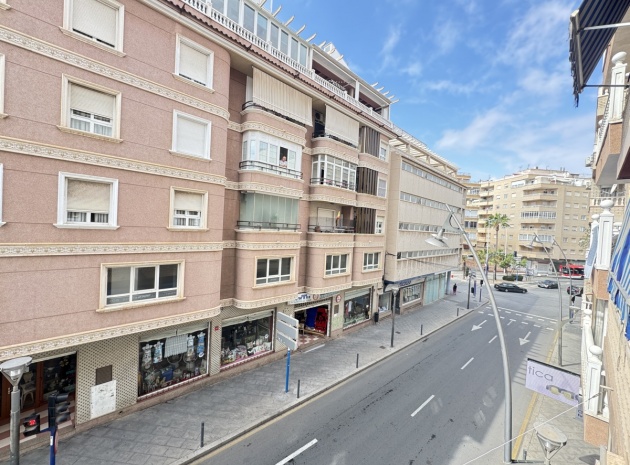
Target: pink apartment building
x,y
173,174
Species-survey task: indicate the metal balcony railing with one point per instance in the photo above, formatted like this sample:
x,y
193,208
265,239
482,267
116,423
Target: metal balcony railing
x,y
330,225
350,185
260,225
319,134
254,165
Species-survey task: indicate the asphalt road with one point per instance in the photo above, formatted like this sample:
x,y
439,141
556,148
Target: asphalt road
x,y
439,402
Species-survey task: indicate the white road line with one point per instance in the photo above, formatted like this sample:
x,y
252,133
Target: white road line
x,y
502,317
314,348
480,311
525,323
530,317
507,311
297,452
511,321
423,405
492,339
537,326
550,329
540,319
466,364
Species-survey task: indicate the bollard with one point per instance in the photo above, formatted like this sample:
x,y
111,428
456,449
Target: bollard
x,y
202,428
420,330
298,396
357,360
457,311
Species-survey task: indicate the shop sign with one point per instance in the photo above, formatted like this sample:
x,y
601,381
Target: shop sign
x,y
304,297
410,281
287,330
553,382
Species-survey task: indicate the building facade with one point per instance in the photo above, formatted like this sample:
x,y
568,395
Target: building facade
x,y
173,176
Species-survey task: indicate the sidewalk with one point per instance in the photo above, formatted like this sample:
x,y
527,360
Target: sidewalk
x,y
170,433
559,414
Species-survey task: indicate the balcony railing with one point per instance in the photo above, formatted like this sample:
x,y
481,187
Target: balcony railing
x,y
318,134
595,397
260,225
330,225
250,104
254,165
350,185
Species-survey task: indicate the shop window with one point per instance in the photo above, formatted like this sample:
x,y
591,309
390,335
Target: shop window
x,y
194,62
87,202
336,264
89,109
273,270
172,359
191,135
243,339
141,283
188,209
371,261
411,293
356,309
97,21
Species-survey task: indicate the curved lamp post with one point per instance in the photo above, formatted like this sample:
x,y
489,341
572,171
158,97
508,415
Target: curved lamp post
x,y
13,371
553,267
439,241
394,288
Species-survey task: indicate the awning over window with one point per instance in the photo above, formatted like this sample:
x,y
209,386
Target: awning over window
x,y
586,46
282,98
619,280
342,126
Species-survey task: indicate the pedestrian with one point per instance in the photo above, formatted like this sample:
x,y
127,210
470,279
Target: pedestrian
x,y
454,288
572,299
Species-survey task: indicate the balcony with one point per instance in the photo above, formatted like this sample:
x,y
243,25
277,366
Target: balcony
x,y
349,185
330,225
324,134
267,225
252,165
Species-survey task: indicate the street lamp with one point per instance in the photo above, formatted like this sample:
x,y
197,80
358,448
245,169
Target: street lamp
x,y
439,241
553,267
394,288
551,440
13,371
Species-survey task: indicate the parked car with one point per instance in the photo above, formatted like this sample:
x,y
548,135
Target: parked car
x,y
575,290
509,287
548,284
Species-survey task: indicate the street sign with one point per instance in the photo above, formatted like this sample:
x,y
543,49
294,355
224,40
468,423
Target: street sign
x,y
287,330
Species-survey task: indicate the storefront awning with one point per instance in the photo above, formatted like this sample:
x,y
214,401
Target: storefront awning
x,y
590,29
619,280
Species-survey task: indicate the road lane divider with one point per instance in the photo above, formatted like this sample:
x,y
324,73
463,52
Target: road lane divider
x,y
423,405
468,362
290,458
490,341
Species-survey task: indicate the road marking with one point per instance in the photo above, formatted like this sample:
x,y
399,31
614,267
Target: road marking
x,y
492,339
525,323
550,329
480,311
537,326
530,317
523,340
476,327
502,317
466,364
297,452
511,321
423,405
541,318
315,348
507,311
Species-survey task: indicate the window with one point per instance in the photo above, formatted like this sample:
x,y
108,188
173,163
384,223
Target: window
x,y
97,21
141,283
90,110
191,135
261,27
382,154
370,261
382,188
336,264
274,35
334,171
2,60
273,270
188,209
194,62
87,202
268,212
249,18
1,179
380,225
233,7
268,153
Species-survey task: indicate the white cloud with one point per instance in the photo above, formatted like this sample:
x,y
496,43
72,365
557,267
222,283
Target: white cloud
x,y
451,87
446,35
476,134
413,69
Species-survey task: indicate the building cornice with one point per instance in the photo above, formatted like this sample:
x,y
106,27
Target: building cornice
x,y
74,340
328,290
265,189
32,250
61,153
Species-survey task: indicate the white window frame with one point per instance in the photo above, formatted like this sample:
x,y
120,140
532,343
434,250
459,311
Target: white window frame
x,y
371,261
208,136
62,195
280,278
66,107
210,63
2,223
384,147
4,5
381,190
338,270
120,26
379,228
105,267
2,82
203,214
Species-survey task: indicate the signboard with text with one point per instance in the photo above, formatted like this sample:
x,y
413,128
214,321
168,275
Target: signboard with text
x,y
287,330
552,382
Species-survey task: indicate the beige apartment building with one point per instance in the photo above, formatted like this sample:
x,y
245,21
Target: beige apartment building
x,y
173,176
550,204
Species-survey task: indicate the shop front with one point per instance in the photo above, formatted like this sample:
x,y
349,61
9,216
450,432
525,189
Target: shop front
x,y
246,337
46,376
172,358
435,288
357,306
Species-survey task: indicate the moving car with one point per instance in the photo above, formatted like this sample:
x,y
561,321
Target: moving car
x,y
548,284
509,287
575,290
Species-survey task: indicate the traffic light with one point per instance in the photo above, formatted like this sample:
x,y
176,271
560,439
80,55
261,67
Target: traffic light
x,y
58,412
481,282
31,424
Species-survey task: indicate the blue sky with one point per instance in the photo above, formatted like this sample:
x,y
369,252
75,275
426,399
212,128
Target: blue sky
x,y
485,84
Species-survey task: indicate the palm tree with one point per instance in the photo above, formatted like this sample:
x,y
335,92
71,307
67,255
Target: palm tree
x,y
497,221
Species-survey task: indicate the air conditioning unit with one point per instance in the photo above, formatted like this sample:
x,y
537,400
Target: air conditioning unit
x,y
320,118
589,161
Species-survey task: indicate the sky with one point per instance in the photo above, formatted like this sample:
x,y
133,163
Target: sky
x,y
485,84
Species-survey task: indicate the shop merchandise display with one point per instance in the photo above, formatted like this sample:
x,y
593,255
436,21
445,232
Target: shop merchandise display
x,y
247,339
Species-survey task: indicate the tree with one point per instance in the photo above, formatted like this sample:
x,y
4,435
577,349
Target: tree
x,y
497,221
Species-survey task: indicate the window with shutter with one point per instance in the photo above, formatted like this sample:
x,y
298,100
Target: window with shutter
x,y
188,209
87,201
91,110
191,135
98,20
195,63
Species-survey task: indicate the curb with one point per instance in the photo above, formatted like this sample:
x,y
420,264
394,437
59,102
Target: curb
x,y
303,400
